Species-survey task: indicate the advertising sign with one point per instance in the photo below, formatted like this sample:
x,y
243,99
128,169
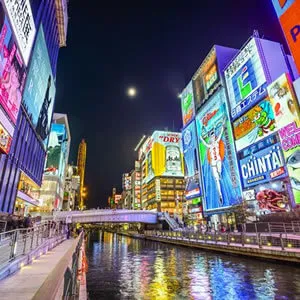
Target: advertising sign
x,y
22,22
157,190
263,166
39,93
217,157
187,104
289,17
287,118
245,80
56,152
164,156
256,124
126,182
191,165
5,140
206,79
12,73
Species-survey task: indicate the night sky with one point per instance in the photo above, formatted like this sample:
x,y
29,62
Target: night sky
x,y
155,46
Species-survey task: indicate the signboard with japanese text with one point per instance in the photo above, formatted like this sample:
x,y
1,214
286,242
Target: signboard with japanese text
x,y
245,80
254,125
287,116
22,22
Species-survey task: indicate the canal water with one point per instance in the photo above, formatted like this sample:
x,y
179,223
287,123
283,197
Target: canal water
x,y
126,268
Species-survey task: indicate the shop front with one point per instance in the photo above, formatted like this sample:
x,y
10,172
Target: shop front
x,y
27,196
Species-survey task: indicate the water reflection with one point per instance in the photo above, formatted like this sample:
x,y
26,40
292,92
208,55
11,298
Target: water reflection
x,y
125,268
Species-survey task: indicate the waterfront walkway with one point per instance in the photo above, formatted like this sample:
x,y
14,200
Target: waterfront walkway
x,y
26,283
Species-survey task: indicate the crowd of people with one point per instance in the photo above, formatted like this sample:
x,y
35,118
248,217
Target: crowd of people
x,y
16,222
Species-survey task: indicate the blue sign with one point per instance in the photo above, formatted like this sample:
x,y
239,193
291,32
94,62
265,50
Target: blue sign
x,y
191,164
245,80
282,6
263,166
39,93
218,162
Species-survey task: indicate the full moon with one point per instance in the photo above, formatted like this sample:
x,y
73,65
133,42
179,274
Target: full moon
x,y
131,92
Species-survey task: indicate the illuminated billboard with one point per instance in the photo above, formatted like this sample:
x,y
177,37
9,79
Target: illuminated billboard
x,y
262,166
164,155
245,80
57,151
126,184
287,117
187,104
256,124
191,164
289,18
5,140
21,18
12,73
217,157
39,92
206,79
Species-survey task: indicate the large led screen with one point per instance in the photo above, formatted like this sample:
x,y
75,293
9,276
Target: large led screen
x,y
22,21
287,117
39,93
12,73
217,158
253,126
57,151
191,164
245,80
164,155
187,104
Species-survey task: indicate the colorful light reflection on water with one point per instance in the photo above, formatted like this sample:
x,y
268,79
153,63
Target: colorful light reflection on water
x,y
126,268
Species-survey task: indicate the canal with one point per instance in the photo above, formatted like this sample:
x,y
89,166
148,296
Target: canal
x,y
125,268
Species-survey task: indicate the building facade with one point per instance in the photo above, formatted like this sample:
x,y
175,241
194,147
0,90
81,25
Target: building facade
x,y
33,34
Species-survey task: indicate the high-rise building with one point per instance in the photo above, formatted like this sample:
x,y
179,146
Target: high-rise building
x,y
53,184
81,161
162,174
33,32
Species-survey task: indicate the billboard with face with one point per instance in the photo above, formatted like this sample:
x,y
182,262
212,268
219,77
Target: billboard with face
x,y
56,152
191,164
206,78
287,117
164,155
289,17
256,124
245,80
187,104
217,157
5,140
12,73
39,93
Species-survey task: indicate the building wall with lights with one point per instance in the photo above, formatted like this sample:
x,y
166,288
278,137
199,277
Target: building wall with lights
x,y
38,35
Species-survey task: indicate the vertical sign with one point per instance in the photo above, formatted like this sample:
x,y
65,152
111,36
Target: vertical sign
x,y
288,12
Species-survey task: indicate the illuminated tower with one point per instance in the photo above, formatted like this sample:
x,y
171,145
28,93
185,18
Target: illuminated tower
x,y
81,159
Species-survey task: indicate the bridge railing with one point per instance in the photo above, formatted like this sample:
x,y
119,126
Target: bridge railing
x,y
18,242
282,241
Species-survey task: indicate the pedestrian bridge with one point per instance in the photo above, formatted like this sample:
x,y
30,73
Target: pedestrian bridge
x,y
107,216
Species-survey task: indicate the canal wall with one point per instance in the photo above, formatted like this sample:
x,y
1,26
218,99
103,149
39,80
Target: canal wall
x,y
276,253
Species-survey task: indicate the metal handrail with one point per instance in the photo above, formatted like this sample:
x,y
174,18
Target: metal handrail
x,y
280,241
18,242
